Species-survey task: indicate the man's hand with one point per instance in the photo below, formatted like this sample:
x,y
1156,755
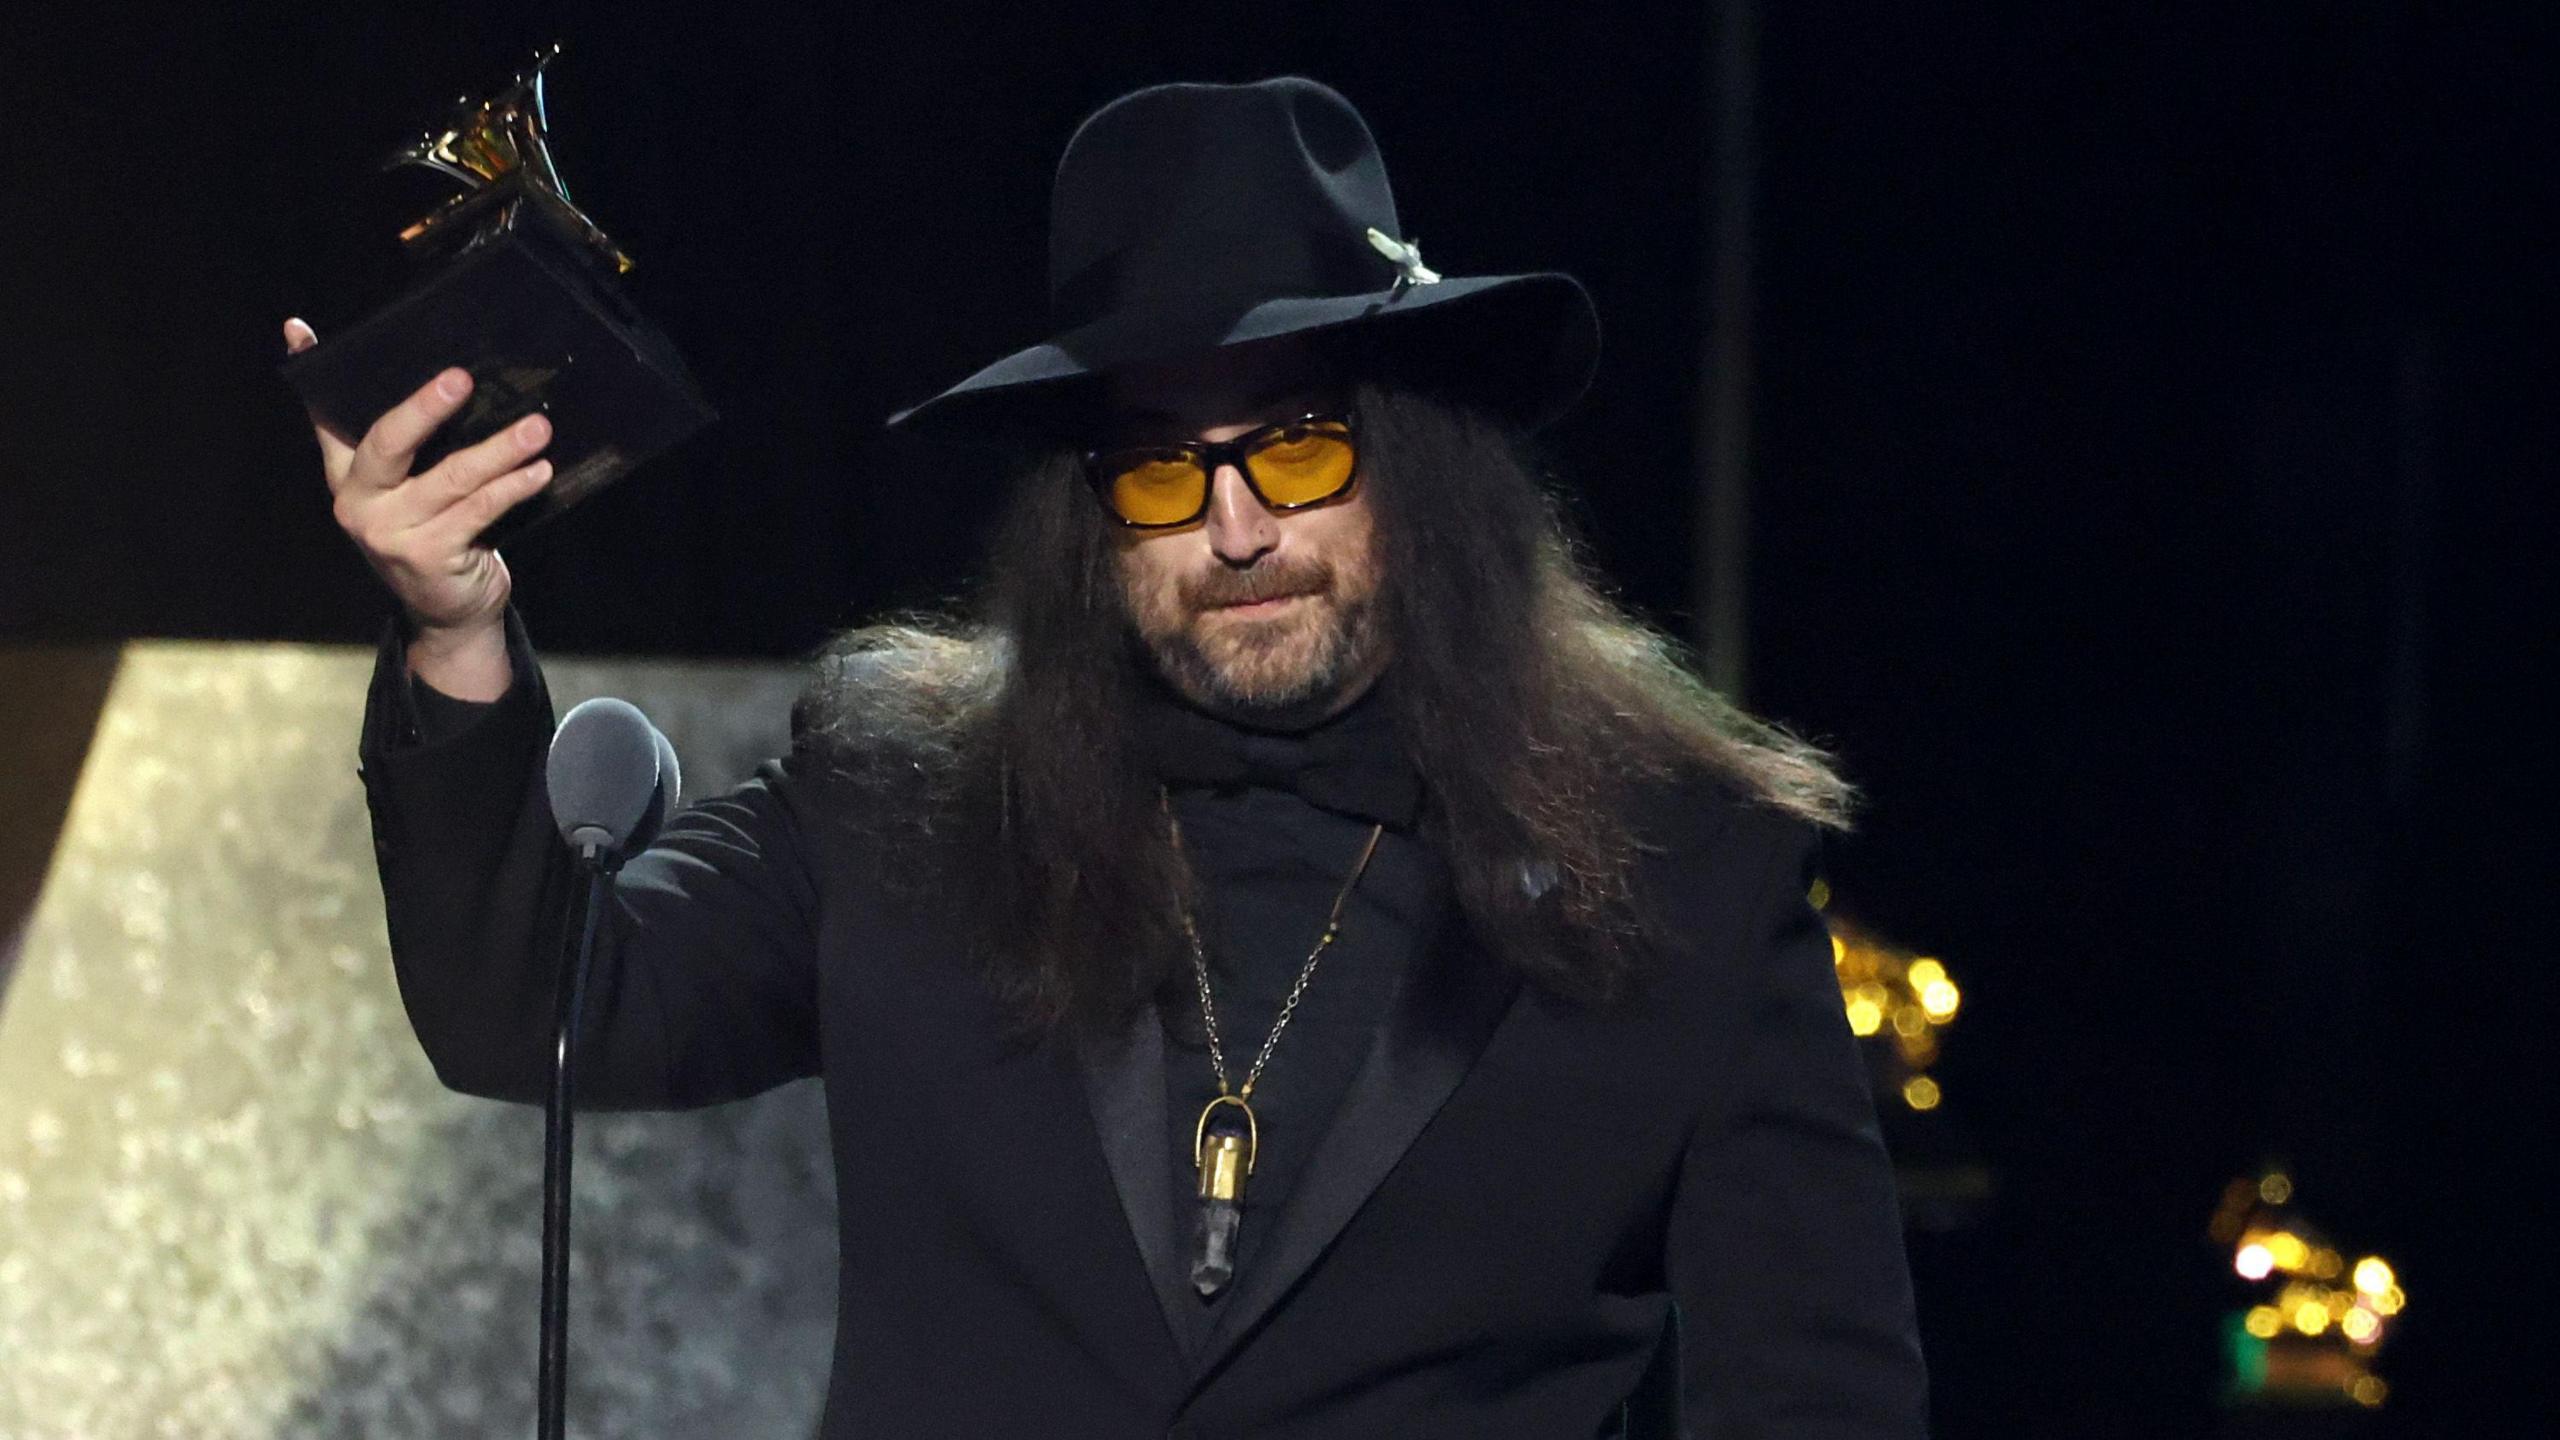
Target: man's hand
x,y
419,532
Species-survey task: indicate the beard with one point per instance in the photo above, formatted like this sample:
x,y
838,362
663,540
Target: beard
x,y
1290,662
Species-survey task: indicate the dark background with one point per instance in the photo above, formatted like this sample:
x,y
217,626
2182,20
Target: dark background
x,y
2149,477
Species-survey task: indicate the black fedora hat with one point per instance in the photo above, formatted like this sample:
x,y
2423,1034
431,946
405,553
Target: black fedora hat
x,y
1191,217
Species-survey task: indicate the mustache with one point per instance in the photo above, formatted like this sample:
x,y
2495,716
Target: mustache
x,y
1263,582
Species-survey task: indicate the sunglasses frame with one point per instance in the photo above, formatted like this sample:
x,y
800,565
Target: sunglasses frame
x,y
1215,455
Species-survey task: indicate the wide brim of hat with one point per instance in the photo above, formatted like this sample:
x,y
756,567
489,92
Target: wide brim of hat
x,y
1525,346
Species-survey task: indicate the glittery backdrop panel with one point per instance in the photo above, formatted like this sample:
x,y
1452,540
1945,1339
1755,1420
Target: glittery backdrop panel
x,y
234,1202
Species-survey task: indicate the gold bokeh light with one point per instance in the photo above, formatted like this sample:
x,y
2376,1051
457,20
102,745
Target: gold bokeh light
x,y
1896,995
2315,1323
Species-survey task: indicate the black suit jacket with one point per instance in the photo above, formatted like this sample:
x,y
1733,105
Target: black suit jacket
x,y
1489,1242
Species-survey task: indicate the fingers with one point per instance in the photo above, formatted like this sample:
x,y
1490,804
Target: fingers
x,y
426,522
453,529
382,458
458,475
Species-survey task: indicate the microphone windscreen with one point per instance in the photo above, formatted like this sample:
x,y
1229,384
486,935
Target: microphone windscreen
x,y
603,774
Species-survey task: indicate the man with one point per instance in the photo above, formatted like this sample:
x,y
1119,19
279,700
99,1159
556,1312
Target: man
x,y
1292,959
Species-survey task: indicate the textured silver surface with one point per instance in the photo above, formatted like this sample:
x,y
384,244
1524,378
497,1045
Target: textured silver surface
x,y
234,1202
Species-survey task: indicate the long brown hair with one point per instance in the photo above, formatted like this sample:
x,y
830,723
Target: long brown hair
x,y
992,746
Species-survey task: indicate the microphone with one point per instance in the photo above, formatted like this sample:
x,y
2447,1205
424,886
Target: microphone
x,y
613,779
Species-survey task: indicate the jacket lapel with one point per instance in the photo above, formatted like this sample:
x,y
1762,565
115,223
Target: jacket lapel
x,y
1441,1018
1124,1080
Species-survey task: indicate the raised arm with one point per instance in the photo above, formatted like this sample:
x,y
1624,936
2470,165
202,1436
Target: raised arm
x,y
704,984
704,987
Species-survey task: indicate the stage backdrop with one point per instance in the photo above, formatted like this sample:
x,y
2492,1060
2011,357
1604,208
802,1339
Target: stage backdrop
x,y
234,1202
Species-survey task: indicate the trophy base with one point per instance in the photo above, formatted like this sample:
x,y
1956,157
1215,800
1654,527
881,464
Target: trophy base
x,y
539,328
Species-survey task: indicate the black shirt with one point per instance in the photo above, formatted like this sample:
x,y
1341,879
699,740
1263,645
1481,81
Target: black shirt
x,y
1270,865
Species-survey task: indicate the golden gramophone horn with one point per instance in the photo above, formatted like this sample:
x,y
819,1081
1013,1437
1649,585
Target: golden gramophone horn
x,y
499,151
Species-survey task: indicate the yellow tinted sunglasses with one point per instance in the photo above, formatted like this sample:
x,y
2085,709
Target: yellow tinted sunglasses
x,y
1288,465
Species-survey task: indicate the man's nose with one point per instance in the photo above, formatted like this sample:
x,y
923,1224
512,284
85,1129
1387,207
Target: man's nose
x,y
1241,531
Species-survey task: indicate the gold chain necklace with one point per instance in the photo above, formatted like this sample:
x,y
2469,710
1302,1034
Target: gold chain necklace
x,y
1226,1158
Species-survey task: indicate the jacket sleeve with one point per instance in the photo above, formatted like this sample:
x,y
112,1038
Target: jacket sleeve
x,y
703,986
1785,1246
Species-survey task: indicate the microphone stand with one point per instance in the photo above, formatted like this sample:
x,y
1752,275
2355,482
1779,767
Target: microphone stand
x,y
552,1375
